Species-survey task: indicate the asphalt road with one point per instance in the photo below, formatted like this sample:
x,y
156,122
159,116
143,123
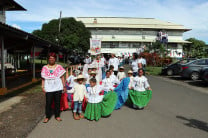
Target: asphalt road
x,y
174,112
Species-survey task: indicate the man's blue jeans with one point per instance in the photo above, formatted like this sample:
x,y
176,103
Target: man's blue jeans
x,y
103,72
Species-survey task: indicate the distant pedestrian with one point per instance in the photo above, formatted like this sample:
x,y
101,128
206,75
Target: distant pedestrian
x,y
103,62
53,83
115,62
134,64
70,82
87,60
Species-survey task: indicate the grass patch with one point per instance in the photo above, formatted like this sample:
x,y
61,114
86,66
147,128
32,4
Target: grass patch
x,y
153,70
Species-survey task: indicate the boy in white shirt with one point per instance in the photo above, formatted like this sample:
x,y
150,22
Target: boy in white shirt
x,y
130,75
80,92
121,74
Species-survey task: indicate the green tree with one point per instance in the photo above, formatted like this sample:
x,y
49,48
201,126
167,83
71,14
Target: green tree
x,y
159,48
73,34
195,49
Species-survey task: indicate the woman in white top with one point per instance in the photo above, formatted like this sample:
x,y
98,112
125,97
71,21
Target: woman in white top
x,y
98,64
53,83
134,64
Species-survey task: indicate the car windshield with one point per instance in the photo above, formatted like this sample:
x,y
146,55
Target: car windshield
x,y
184,61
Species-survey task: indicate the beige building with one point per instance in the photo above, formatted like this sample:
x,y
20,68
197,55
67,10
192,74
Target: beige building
x,y
124,35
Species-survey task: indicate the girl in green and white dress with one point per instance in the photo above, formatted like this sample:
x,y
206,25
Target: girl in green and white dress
x,y
140,92
99,105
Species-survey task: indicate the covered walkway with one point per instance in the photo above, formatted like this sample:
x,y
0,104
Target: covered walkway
x,y
17,45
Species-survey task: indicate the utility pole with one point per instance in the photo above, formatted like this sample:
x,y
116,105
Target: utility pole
x,y
59,32
60,21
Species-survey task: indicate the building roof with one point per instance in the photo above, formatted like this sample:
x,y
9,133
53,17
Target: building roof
x,y
129,23
11,5
18,39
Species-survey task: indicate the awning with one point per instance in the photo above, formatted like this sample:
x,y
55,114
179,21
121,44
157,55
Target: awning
x,y
20,40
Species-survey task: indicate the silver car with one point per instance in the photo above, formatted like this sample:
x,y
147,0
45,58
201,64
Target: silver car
x,y
192,69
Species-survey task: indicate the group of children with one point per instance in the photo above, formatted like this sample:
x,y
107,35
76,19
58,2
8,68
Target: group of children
x,y
99,97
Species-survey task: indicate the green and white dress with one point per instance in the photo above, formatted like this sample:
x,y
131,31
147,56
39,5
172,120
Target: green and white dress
x,y
99,105
140,96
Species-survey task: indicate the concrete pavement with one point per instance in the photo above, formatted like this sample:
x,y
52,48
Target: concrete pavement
x,y
175,111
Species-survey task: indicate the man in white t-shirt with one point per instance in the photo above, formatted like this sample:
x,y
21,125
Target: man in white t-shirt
x,y
87,60
115,62
103,61
139,61
142,63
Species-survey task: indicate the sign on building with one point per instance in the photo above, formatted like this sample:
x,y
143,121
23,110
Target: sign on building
x,y
95,46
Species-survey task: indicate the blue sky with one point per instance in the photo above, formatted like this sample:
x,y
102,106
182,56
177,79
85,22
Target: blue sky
x,y
190,13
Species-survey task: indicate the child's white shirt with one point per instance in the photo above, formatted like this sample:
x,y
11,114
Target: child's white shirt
x,y
131,81
140,83
121,75
107,84
80,92
94,94
114,79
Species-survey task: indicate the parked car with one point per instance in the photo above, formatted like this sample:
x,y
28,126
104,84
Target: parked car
x,y
204,74
9,69
192,69
175,68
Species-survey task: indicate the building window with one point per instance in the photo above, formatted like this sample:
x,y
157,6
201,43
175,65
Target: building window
x,y
105,45
136,45
114,45
124,45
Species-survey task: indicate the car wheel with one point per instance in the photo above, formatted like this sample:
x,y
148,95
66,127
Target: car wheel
x,y
194,75
170,72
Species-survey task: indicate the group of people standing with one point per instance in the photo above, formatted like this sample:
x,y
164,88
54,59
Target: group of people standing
x,y
94,90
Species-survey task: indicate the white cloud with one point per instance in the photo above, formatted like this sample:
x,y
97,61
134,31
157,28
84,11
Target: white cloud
x,y
16,26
